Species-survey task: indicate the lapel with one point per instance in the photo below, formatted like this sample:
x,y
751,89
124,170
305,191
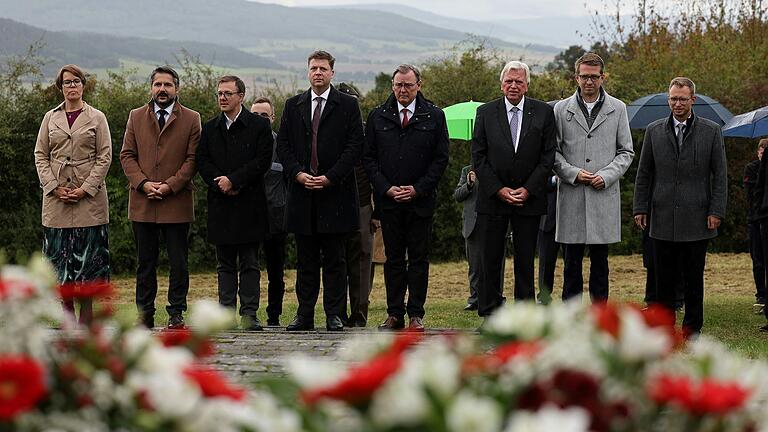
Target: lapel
x,y
59,118
501,113
330,103
304,105
390,112
420,113
574,112
527,119
605,111
173,115
669,127
83,119
151,118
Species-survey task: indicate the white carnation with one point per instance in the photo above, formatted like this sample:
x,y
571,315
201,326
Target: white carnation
x,y
473,413
208,316
549,419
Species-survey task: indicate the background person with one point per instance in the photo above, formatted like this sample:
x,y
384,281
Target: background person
x,y
73,152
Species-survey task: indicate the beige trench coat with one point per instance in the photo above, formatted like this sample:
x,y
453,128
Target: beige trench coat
x,y
74,157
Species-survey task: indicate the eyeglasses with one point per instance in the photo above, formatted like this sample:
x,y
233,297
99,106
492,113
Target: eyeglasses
x,y
408,86
681,100
71,83
593,78
226,94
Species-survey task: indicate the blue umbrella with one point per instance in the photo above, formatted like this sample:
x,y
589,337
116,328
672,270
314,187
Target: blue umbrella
x,y
753,124
648,109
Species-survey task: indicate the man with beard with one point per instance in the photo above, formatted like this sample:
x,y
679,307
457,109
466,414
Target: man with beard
x,y
158,157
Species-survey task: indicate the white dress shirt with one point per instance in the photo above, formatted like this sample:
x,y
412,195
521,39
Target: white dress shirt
x,y
411,109
314,102
228,121
168,110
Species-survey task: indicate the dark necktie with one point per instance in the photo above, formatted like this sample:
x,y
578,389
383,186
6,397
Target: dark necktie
x,y
315,126
405,117
161,120
680,134
513,125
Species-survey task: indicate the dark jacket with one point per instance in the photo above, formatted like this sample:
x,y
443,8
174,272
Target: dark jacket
x,y
465,194
242,154
416,155
679,188
751,172
339,144
497,164
276,190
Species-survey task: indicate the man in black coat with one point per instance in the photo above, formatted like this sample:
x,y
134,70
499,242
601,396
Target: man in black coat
x,y
513,151
319,143
233,155
406,153
751,175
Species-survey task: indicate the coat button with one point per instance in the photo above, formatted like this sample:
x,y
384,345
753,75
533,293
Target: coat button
x,y
69,179
589,136
589,160
68,158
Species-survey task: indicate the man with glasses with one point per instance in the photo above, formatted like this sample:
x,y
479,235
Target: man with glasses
x,y
233,155
513,149
594,149
158,157
274,244
682,187
406,153
319,143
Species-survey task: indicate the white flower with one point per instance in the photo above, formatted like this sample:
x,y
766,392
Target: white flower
x,y
136,340
637,341
525,321
434,366
472,413
549,419
169,392
400,402
158,358
310,373
362,348
207,316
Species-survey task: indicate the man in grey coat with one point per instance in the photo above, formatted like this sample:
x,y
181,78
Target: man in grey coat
x,y
594,149
683,185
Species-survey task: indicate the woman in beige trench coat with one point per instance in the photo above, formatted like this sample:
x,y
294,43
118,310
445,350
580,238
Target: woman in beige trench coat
x,y
72,156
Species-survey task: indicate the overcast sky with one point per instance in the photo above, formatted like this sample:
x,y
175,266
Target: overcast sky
x,y
485,10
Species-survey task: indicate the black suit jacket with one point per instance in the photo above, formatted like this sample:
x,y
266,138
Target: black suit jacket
x,y
415,155
497,164
242,153
339,145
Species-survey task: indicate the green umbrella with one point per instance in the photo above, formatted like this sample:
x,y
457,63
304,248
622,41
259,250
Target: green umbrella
x,y
461,119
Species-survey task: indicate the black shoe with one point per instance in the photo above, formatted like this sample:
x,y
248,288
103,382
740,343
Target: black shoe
x,y
470,307
147,320
175,322
250,323
764,328
300,324
273,322
334,323
392,323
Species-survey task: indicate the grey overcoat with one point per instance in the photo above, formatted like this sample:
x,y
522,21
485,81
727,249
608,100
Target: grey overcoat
x,y
586,215
680,188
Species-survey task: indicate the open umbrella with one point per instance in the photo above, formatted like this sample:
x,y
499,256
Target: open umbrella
x,y
461,119
753,124
647,109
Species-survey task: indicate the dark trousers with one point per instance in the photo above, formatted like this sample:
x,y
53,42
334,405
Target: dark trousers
x,y
764,238
493,232
573,279
649,262
147,238
674,259
548,249
758,265
312,253
406,234
242,260
274,255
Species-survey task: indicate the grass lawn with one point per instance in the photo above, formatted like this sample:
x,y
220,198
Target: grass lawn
x,y
728,298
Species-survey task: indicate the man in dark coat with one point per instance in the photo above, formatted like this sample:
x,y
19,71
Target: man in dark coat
x,y
683,185
319,143
756,252
233,155
406,153
513,150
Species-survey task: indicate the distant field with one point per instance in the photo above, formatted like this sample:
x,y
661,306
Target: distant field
x,y
729,295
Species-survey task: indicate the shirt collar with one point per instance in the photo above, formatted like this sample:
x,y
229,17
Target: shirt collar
x,y
324,95
685,122
168,109
228,121
519,105
411,106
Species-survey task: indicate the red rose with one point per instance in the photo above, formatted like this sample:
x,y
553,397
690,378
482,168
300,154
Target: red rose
x,y
607,318
698,398
21,385
201,347
20,288
502,354
213,384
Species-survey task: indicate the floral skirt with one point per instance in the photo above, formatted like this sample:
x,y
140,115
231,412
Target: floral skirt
x,y
78,254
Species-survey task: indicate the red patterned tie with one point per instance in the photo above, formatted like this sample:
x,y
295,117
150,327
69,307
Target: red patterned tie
x,y
405,117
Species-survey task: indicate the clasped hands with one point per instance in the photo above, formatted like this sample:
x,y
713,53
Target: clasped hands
x,y
313,182
69,195
515,197
587,178
402,193
155,190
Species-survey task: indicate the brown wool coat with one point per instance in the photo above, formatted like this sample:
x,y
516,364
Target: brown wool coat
x,y
74,157
165,156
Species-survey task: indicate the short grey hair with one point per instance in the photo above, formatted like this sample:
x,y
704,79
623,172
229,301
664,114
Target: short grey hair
x,y
683,82
404,69
516,65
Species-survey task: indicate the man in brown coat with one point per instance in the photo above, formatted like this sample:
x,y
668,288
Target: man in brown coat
x,y
158,157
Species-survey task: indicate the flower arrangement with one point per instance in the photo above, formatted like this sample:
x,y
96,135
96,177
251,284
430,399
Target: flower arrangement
x,y
533,368
112,376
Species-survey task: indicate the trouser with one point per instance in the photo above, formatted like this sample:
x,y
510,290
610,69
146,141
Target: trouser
x,y
406,234
573,279
548,250
686,259
274,255
147,238
758,265
239,260
312,253
359,248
